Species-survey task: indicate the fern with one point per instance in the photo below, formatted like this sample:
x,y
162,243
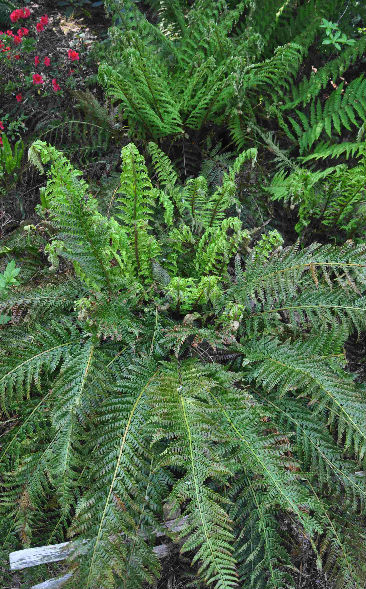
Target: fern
x,y
210,375
342,109
332,197
5,9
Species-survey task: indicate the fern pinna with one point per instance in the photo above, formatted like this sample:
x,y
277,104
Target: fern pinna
x,y
173,364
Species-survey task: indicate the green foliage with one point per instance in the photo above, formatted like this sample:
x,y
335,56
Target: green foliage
x,y
343,108
234,64
6,8
331,199
334,36
182,366
7,279
104,251
10,164
198,70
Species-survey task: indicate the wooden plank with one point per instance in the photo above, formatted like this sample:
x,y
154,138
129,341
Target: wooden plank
x,y
161,551
30,557
55,583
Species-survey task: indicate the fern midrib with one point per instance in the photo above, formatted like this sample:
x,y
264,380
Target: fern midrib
x,y
259,460
136,244
215,209
298,307
308,266
196,485
119,458
76,401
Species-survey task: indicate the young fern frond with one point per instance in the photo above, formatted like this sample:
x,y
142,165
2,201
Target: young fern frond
x,y
85,232
136,209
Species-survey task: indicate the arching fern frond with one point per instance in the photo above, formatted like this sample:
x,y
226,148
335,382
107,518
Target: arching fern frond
x,y
109,513
181,391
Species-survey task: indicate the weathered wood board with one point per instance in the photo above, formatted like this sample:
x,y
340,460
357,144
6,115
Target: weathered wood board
x,y
30,557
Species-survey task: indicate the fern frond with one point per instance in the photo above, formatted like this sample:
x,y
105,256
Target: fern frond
x,y
318,451
87,234
208,530
309,89
325,389
136,208
343,108
31,357
108,514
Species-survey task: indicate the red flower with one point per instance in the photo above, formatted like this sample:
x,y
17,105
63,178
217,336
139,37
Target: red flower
x,y
2,125
27,12
47,61
36,60
73,55
17,40
44,20
21,13
10,33
15,15
37,79
23,32
39,27
55,86
1,141
19,98
16,56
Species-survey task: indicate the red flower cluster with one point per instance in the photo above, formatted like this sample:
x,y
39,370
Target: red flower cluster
x,y
17,39
3,47
43,21
19,13
23,32
37,79
55,86
73,55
